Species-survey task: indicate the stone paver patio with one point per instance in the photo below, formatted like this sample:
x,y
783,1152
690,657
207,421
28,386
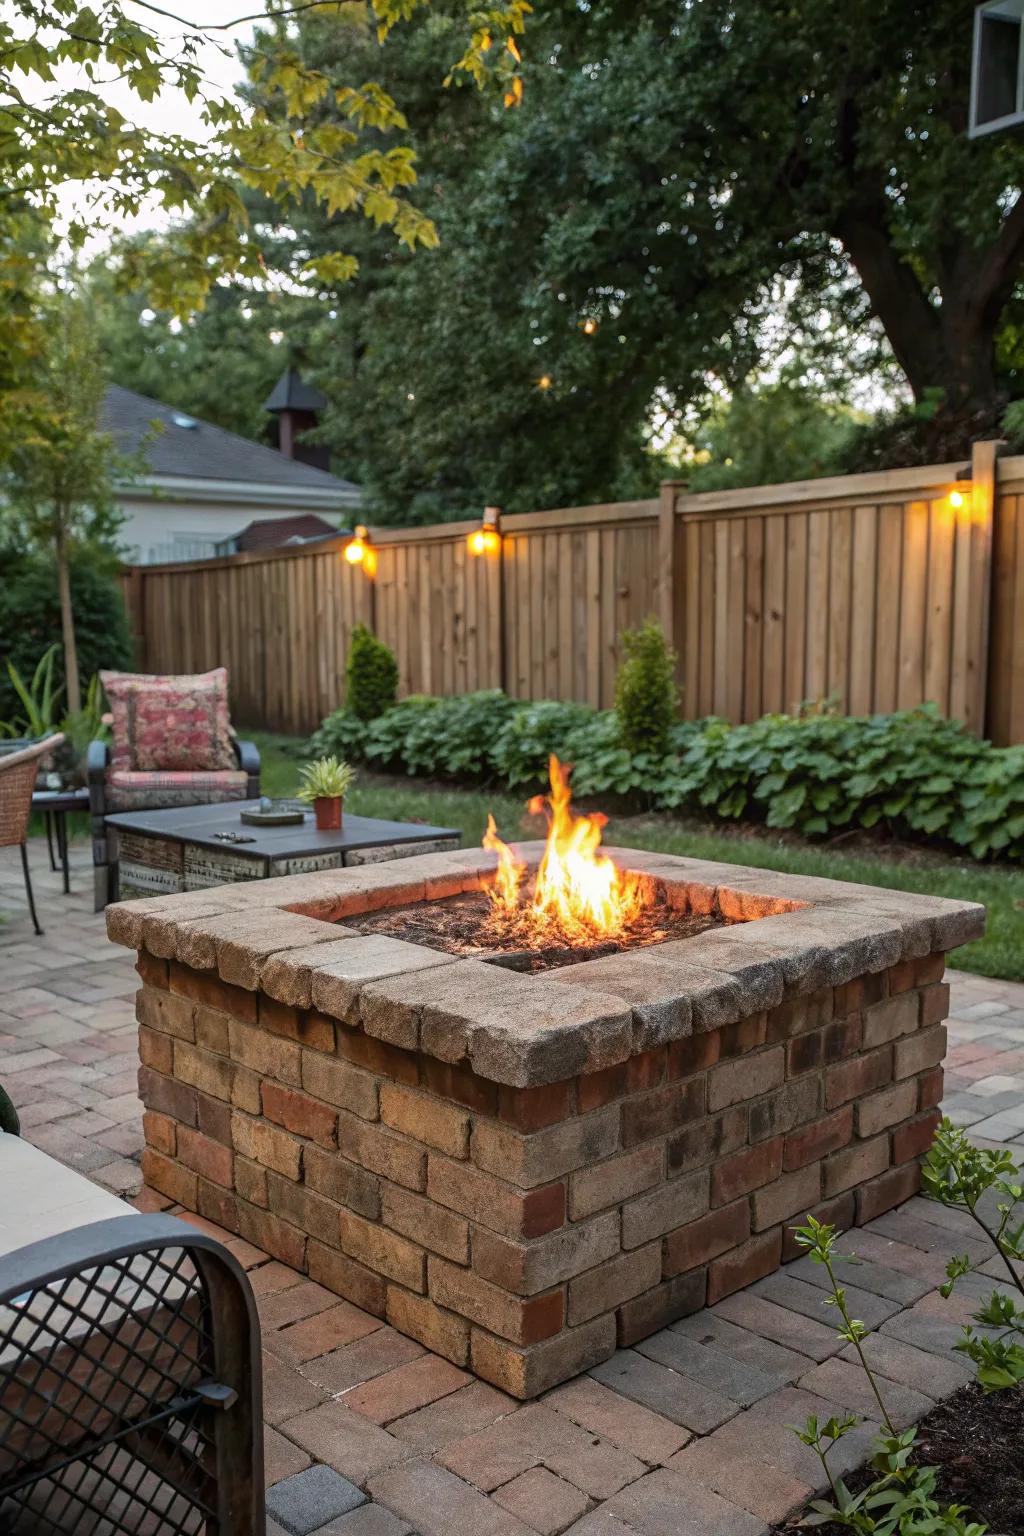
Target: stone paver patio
x,y
370,1435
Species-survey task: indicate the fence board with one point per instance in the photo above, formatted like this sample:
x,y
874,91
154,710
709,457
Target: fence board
x,y
869,588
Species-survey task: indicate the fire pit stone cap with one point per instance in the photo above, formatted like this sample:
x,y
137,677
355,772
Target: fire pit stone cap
x,y
284,935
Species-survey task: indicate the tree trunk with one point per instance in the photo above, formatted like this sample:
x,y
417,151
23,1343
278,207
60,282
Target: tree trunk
x,y
72,685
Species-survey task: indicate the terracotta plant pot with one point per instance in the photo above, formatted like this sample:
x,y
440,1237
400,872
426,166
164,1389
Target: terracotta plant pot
x,y
328,811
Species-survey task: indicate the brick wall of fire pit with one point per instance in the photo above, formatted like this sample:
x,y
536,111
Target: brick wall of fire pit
x,y
523,1172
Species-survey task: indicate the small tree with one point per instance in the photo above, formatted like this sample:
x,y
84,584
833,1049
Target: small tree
x,y
371,674
645,691
59,484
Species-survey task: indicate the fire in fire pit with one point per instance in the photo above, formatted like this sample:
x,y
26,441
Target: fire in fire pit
x,y
579,906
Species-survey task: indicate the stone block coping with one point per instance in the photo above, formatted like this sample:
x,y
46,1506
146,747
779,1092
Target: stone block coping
x,y
784,935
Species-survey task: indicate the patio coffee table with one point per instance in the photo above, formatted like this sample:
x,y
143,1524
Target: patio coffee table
x,y
155,852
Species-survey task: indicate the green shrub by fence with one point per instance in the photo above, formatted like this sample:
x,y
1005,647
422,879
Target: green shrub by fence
x,y
912,772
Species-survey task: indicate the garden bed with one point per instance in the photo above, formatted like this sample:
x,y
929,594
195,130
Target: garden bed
x,y
976,1442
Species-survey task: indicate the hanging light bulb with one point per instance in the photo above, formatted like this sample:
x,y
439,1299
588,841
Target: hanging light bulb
x,y
544,382
589,326
486,540
359,551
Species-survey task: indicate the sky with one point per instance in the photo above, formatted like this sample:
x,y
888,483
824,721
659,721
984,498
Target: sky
x,y
171,112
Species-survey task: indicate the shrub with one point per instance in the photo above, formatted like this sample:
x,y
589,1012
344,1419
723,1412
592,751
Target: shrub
x,y
817,774
645,691
30,619
371,675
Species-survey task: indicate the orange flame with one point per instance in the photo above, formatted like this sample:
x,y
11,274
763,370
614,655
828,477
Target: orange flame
x,y
579,894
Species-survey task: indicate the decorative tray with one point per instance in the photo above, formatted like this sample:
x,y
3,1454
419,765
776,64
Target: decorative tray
x,y
275,813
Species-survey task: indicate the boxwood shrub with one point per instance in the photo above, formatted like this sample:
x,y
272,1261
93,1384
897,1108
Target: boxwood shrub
x,y
919,776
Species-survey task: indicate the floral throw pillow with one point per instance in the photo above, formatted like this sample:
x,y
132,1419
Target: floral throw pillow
x,y
169,724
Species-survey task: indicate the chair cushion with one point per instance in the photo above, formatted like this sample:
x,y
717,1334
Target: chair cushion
x,y
170,724
129,791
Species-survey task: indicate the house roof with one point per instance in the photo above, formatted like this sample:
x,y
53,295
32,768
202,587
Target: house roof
x,y
272,532
191,449
292,393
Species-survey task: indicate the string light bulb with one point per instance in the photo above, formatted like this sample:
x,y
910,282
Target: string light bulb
x,y
956,500
486,540
589,326
359,551
544,382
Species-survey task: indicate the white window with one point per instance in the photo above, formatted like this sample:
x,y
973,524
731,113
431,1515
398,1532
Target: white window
x,y
997,73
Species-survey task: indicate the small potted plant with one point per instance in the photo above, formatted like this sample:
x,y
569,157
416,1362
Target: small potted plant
x,y
324,783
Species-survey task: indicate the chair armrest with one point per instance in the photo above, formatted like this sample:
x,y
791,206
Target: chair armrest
x,y
248,755
96,759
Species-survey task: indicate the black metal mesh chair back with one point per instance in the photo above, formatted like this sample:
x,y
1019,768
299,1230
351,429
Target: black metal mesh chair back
x,y
129,1386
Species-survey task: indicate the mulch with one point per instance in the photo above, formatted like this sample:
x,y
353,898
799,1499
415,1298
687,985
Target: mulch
x,y
977,1442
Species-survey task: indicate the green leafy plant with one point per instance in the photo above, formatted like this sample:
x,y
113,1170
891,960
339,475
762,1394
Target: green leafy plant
x,y
817,773
80,728
39,698
645,690
959,1175
901,1500
371,675
328,778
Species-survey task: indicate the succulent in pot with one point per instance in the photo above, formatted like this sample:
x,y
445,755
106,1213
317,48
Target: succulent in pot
x,y
324,783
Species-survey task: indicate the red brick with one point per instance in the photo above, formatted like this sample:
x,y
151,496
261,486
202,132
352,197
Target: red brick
x,y
694,1054
616,1179
425,1223
269,1055
214,1161
299,1113
889,1020
797,1015
460,1084
708,1141
810,1143
929,1088
251,1182
200,1069
919,1052
804,1053
156,1050
666,1109
301,1208
596,1089
757,1258
341,1181
217,1204
211,1030
746,1078
384,1252
529,1109
405,1389
171,1098
842,1038
665,1303
791,1196
510,1212
345,1277
528,1372
797,1101
743,1036
902,977
859,993
694,1245
169,1178
279,1018
648,1069
266,1144
610,1284
373,1055
839,1212
860,1075
931,968
205,987
160,1132
340,1084
934,1004
425,1118
444,1333
915,1137
747,1170
522,1320
854,1164
214,1118
888,1190
171,1015
276,1237
154,972
382,1151
245,1091
879,1111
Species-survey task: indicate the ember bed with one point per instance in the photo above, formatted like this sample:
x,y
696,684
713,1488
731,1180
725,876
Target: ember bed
x,y
524,1168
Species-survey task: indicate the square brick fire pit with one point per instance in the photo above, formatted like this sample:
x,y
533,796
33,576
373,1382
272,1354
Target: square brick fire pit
x,y
525,1171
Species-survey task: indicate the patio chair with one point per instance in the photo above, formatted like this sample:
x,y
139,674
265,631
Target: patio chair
x,y
18,772
172,745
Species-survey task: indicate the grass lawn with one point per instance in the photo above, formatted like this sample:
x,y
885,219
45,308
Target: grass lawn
x,y
1001,889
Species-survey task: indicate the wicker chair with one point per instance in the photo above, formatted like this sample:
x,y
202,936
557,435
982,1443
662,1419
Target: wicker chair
x,y
17,781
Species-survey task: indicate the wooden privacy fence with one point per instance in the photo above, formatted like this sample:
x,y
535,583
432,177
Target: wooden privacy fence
x,y
881,590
